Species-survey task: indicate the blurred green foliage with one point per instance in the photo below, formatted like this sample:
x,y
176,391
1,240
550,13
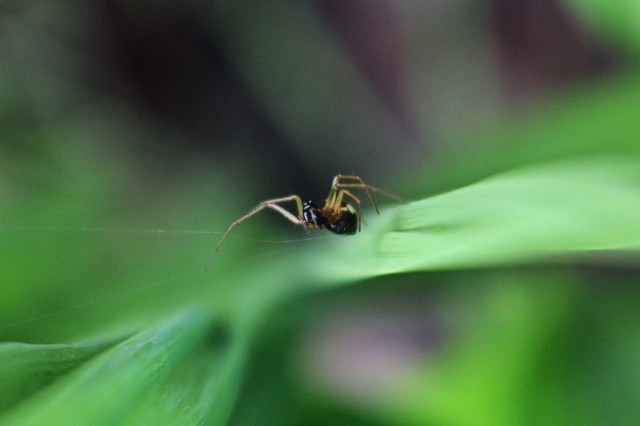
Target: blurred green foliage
x,y
618,21
510,297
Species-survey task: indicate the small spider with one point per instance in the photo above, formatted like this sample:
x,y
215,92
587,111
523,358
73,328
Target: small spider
x,y
335,214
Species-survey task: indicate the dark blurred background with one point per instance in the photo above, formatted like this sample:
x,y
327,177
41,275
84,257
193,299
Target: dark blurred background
x,y
297,90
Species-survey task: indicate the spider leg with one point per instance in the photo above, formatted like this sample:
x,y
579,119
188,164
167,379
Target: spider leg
x,y
268,204
358,183
332,197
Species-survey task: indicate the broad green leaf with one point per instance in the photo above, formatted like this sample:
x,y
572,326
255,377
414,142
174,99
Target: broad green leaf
x,y
184,371
531,214
27,368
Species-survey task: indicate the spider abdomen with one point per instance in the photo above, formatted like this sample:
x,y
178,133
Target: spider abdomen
x,y
341,222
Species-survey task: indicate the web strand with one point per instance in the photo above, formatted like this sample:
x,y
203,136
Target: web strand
x,y
99,230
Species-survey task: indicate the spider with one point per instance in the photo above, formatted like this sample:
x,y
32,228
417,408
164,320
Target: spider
x,y
336,214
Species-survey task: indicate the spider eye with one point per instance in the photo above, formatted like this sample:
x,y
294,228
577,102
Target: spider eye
x,y
309,205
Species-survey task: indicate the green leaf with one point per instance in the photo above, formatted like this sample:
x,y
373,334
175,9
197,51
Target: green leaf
x,y
184,371
27,368
526,215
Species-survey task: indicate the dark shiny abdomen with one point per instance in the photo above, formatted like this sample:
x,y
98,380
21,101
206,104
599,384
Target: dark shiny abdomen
x,y
347,224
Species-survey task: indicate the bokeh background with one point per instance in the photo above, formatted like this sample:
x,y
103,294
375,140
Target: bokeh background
x,y
132,133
